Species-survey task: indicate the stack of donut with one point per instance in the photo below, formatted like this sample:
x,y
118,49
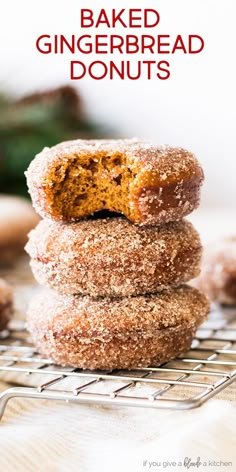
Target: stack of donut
x,y
115,252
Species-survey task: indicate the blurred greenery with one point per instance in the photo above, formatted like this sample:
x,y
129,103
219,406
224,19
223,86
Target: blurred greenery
x,y
33,122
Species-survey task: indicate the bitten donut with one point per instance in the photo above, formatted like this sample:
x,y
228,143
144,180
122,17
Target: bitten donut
x,y
146,183
119,333
6,303
218,273
112,257
17,218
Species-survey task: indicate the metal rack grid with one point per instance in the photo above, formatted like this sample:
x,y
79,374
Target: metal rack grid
x,y
187,382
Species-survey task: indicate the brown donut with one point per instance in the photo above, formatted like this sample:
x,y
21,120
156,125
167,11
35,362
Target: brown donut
x,y
6,303
120,333
112,257
146,183
17,218
218,273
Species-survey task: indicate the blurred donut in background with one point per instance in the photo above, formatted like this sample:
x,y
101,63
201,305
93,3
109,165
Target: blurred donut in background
x,y
17,218
6,303
218,273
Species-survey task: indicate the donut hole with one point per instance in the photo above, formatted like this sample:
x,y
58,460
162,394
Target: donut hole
x,y
84,185
103,215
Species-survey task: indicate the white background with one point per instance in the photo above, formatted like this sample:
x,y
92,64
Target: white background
x,y
195,108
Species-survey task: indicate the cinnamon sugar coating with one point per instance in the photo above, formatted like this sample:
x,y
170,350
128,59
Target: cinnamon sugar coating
x,y
218,272
112,257
6,303
148,184
116,333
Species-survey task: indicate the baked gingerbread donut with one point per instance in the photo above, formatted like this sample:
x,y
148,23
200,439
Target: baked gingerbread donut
x,y
121,333
17,218
112,257
218,273
148,184
6,303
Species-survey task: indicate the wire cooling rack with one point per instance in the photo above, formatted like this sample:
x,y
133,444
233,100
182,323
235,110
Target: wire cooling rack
x,y
187,382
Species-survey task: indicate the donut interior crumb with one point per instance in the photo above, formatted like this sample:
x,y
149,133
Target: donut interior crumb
x,y
87,184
